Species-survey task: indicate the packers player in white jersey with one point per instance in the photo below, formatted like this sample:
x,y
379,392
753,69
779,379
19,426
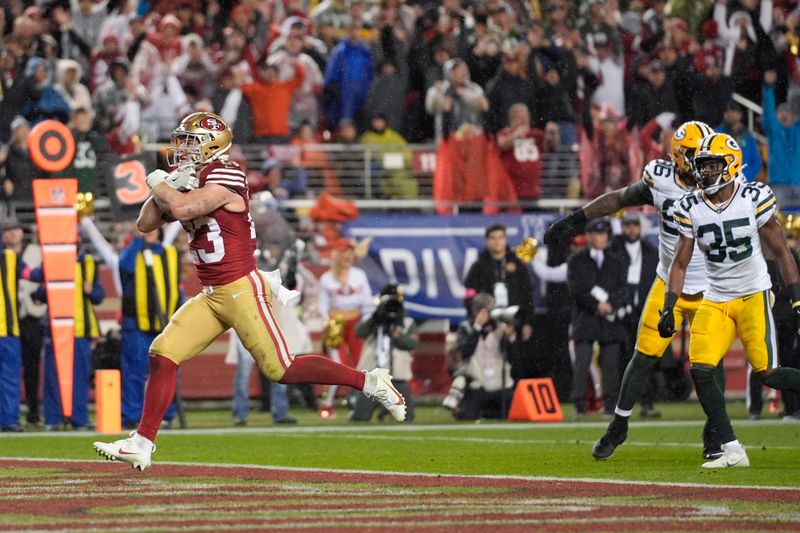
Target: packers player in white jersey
x,y
663,183
729,220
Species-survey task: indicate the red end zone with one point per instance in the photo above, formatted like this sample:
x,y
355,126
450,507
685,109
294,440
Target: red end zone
x,y
94,495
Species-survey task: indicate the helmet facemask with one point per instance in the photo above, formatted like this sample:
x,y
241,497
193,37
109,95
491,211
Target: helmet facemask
x,y
684,167
185,149
712,172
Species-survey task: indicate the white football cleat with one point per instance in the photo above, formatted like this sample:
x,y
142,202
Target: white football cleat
x,y
732,457
379,387
128,451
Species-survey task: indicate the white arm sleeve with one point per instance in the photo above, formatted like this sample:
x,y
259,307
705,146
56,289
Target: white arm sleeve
x,y
231,106
104,248
171,233
550,274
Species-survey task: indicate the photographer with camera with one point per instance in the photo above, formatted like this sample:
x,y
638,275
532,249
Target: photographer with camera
x,y
389,339
483,386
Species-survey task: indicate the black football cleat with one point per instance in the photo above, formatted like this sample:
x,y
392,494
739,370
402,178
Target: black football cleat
x,y
615,434
712,445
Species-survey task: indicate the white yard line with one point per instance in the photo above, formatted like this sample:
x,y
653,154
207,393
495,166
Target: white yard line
x,y
377,473
490,426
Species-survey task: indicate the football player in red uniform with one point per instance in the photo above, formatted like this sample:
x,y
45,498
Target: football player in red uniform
x,y
208,193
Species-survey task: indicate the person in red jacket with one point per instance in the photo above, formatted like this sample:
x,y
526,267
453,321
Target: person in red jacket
x,y
270,100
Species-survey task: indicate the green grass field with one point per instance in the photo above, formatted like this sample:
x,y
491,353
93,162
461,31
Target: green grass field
x,y
663,450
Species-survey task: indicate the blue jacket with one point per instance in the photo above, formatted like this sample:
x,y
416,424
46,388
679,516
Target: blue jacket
x,y
784,144
751,157
347,78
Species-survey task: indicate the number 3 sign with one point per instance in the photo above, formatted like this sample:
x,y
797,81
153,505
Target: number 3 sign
x,y
128,185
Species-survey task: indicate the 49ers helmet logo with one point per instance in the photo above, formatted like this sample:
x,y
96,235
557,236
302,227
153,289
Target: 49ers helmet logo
x,y
212,124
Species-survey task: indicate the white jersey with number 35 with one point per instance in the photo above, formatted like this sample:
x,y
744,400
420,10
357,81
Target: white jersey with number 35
x,y
728,237
659,175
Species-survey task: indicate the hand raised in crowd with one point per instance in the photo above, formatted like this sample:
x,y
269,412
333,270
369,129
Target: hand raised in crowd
x,y
482,318
604,309
770,77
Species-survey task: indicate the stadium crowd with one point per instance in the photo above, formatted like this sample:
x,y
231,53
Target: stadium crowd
x,y
504,81
495,84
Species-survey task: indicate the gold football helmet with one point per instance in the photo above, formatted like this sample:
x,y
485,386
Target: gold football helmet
x,y
718,162
685,142
198,139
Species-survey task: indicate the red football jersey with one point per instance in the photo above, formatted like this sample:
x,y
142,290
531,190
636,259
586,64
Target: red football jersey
x,y
523,162
222,243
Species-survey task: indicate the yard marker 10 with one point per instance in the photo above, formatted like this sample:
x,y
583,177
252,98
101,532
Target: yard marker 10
x,y
535,400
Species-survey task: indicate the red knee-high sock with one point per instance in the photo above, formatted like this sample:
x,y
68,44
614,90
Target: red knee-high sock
x,y
322,371
157,395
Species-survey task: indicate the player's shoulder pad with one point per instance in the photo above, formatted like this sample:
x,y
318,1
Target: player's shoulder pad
x,y
658,170
224,172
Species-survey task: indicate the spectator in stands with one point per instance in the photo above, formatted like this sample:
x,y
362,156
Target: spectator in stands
x,y
456,101
607,64
609,154
110,96
553,104
165,105
783,139
387,95
393,159
344,298
521,148
334,13
305,105
509,87
347,77
711,89
484,383
315,160
228,102
70,45
297,27
389,340
270,100
282,187
596,278
101,60
483,57
194,67
44,101
91,153
655,137
732,125
68,84
653,97
499,272
17,163
87,20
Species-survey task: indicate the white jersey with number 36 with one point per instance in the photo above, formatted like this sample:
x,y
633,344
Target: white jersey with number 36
x,y
728,237
659,175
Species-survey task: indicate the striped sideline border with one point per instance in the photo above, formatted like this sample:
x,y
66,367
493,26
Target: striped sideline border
x,y
378,473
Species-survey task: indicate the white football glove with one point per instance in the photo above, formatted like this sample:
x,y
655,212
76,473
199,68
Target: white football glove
x,y
156,177
183,179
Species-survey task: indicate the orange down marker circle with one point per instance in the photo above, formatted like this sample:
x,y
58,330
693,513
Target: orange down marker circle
x,y
52,146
